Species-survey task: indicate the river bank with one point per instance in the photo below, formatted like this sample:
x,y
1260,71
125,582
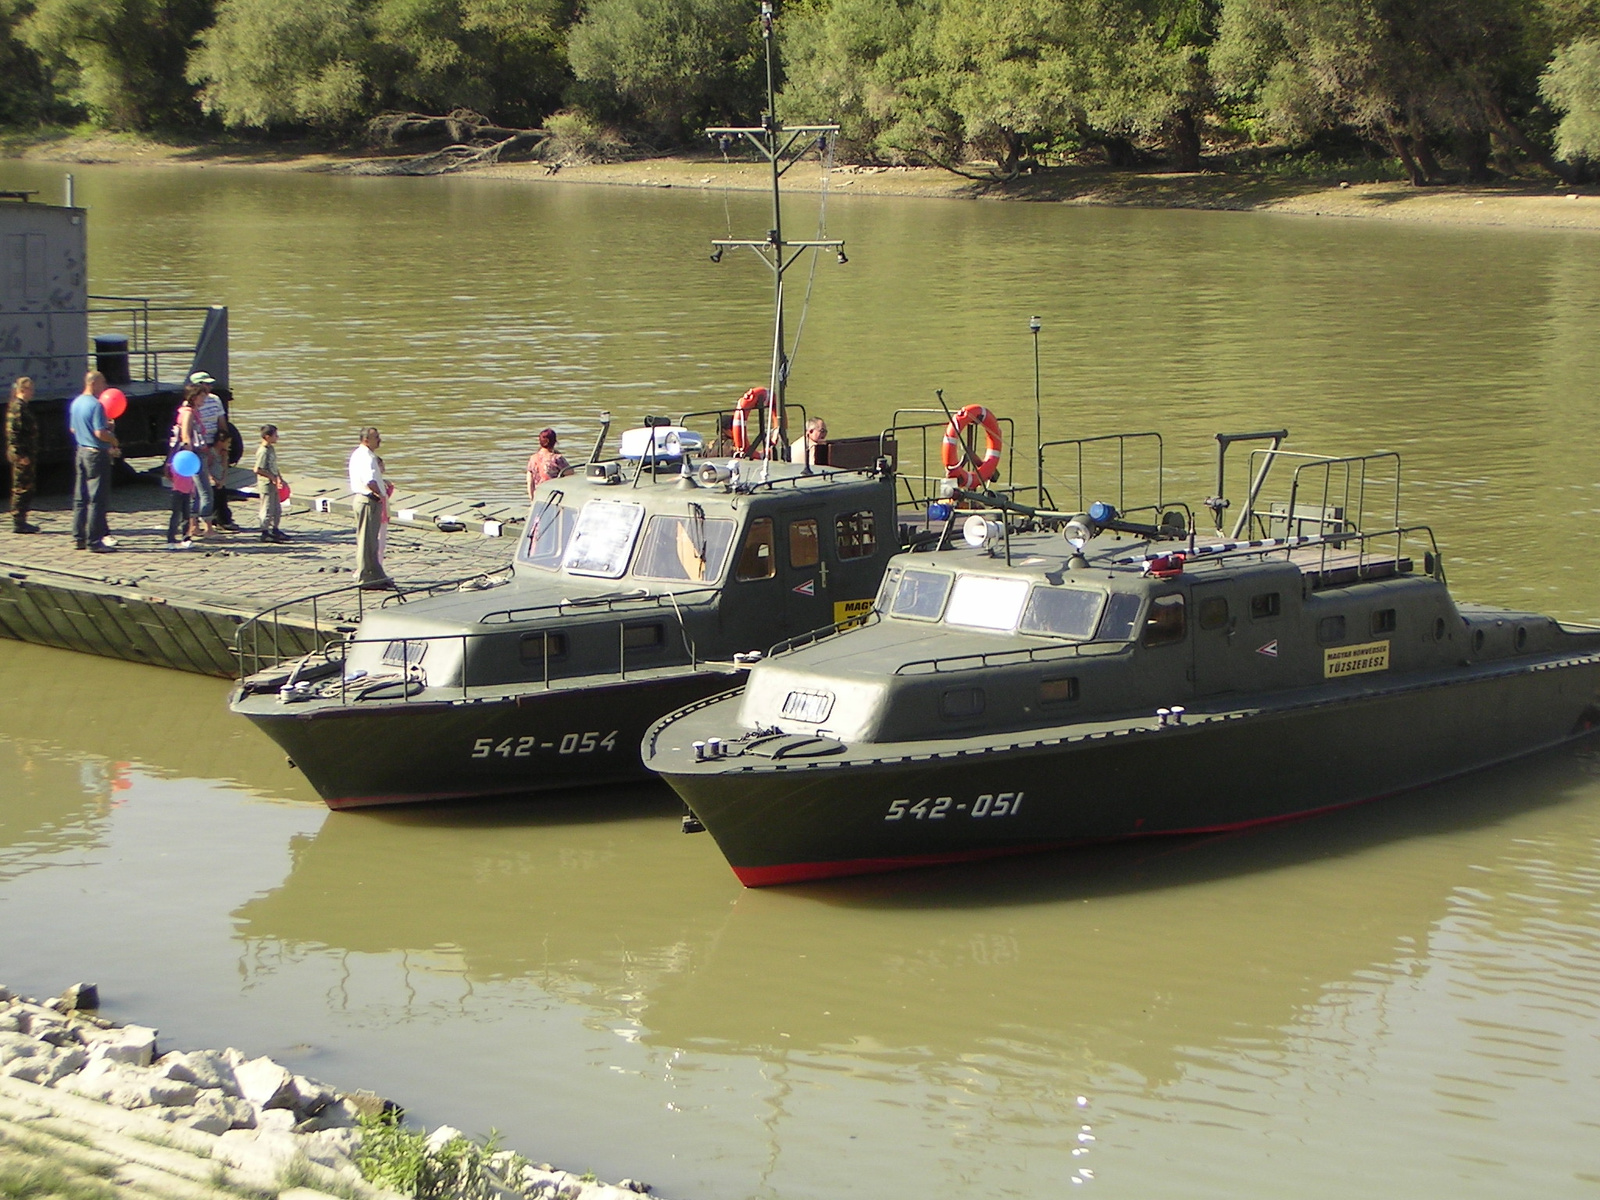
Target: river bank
x,y
1517,204
95,1110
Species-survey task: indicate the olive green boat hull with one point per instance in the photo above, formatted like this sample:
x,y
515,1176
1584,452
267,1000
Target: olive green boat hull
x,y
885,807
420,750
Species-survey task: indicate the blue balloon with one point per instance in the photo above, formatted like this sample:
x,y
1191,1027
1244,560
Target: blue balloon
x,y
186,463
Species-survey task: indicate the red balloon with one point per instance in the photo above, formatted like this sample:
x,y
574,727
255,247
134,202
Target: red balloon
x,y
283,491
114,402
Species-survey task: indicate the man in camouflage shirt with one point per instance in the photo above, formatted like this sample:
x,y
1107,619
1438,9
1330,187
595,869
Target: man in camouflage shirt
x,y
22,452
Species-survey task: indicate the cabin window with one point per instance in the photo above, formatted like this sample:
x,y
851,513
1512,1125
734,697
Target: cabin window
x,y
1062,611
1166,622
1438,629
984,602
920,594
549,531
1383,621
1213,612
960,703
603,539
1522,637
690,548
1330,629
1058,691
1267,604
757,560
855,535
1477,640
642,637
532,648
1122,611
805,548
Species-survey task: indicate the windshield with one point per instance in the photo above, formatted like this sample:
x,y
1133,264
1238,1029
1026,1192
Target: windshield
x,y
985,602
690,548
603,539
1062,611
919,594
549,530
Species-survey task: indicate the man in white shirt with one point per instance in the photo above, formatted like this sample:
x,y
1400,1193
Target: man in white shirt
x,y
370,495
804,448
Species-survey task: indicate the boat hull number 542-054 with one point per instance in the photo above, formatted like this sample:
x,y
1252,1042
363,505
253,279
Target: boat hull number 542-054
x,y
937,808
526,747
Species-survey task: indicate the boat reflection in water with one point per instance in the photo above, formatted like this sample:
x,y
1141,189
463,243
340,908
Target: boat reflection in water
x,y
967,1009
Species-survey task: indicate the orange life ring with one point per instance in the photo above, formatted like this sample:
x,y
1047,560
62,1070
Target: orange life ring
x,y
740,432
972,414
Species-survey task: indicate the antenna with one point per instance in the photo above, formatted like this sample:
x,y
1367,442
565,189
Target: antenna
x,y
1034,326
782,146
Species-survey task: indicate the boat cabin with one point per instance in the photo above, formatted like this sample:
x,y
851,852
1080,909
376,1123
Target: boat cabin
x,y
630,571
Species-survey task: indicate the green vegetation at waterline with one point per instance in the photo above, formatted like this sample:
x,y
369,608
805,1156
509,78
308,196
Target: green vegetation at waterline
x,y
1440,88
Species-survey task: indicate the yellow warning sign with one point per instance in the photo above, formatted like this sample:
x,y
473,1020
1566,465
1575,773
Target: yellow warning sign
x,y
1355,660
851,610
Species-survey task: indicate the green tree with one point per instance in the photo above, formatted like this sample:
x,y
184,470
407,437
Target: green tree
x,y
26,94
266,63
1571,85
1411,74
677,64
867,65
122,61
501,57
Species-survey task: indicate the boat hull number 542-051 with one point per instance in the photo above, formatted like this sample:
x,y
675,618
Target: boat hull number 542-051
x,y
937,808
526,747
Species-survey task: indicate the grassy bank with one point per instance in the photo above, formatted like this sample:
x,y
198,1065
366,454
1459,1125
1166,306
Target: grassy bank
x,y
1523,204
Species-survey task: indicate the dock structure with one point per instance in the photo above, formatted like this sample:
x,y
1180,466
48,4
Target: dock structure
x,y
185,610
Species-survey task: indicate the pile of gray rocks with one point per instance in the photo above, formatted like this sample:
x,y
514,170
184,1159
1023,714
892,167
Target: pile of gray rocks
x,y
256,1110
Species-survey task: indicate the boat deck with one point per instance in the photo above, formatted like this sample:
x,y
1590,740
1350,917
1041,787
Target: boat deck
x,y
147,604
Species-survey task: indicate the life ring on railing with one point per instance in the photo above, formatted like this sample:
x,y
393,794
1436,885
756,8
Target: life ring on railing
x,y
740,431
972,414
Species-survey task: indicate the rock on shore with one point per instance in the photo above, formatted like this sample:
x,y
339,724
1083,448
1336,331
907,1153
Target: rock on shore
x,y
187,1123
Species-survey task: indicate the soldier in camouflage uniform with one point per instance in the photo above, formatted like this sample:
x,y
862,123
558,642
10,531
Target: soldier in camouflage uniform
x,y
22,451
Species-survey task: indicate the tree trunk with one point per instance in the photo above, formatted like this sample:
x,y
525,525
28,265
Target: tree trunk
x,y
1120,152
1184,134
1475,151
1011,153
1402,148
1517,138
1426,160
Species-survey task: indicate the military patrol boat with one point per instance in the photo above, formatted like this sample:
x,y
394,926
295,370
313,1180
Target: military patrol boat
x,y
646,583
631,593
1070,677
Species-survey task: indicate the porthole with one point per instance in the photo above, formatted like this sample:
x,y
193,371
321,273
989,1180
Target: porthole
x,y
1438,629
1522,637
1477,640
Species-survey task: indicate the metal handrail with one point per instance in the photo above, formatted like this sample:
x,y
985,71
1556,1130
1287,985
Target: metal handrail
x,y
1005,658
824,631
912,498
411,671
1121,440
1326,543
562,606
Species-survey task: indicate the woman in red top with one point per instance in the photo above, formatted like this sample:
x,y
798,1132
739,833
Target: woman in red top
x,y
545,463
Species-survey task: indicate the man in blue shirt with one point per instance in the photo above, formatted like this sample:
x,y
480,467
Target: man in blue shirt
x,y
97,443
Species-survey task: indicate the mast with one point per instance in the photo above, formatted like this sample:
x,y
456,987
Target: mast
x,y
782,146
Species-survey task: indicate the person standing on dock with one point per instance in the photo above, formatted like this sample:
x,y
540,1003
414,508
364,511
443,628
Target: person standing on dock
x,y
370,494
546,462
212,447
22,452
97,445
269,483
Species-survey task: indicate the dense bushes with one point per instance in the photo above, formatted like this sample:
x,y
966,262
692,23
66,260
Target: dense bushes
x,y
1446,87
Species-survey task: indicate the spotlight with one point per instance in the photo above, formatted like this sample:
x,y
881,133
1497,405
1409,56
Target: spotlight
x,y
716,255
842,258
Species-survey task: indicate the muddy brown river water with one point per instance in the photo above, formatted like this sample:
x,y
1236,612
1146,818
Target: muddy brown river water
x,y
1398,1000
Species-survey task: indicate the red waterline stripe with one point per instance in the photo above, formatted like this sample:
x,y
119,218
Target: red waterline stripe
x,y
809,871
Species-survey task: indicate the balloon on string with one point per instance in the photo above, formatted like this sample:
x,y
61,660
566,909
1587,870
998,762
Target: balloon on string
x,y
114,402
186,463
283,491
